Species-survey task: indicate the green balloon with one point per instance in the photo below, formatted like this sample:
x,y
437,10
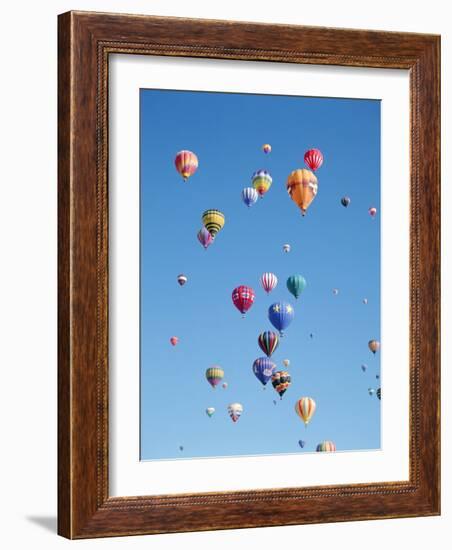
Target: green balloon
x,y
296,284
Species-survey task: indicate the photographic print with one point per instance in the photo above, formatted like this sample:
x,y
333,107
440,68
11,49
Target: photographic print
x,y
259,274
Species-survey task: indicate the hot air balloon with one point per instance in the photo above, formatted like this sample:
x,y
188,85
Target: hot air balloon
x,y
213,221
281,314
296,284
377,376
301,443
224,385
345,201
210,411
214,375
263,369
243,298
313,159
261,181
174,340
365,301
235,411
335,291
267,148
371,391
186,163
181,448
305,408
286,247
372,212
286,362
182,279
275,402
311,336
302,187
326,447
268,342
281,381
364,368
249,196
374,346
379,393
269,281
205,238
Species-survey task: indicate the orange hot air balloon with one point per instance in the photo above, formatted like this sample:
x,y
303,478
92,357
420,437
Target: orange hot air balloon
x,y
302,188
374,346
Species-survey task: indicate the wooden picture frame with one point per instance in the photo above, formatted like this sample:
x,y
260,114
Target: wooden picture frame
x,y
85,42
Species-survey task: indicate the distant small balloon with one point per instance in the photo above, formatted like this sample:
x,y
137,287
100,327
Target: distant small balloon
x,y
286,247
371,391
249,196
267,148
182,279
364,368
275,402
235,411
326,447
345,201
372,212
374,346
181,448
365,301
379,393
311,336
186,163
313,158
205,238
286,362
210,411
301,443
335,291
377,376
224,385
174,340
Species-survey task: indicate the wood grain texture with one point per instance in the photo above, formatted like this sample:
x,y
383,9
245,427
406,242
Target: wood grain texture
x,y
85,42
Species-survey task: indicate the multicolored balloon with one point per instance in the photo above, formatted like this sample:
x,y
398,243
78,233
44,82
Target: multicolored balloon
x,y
301,443
261,181
186,163
182,279
213,221
210,411
268,342
296,284
286,248
263,369
326,447
267,148
174,340
281,381
379,393
374,346
268,281
313,159
281,314
249,196
372,212
214,375
286,363
243,298
235,411
205,238
302,188
345,201
305,408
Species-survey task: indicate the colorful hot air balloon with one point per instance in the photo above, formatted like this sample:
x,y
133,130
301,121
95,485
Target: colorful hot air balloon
x,y
261,181
379,393
235,411
182,279
269,281
286,247
302,187
364,368
372,212
286,363
374,346
214,375
267,148
174,340
210,411
301,443
345,201
224,385
281,314
268,342
313,159
205,238
263,369
371,391
249,196
213,221
296,284
243,298
186,163
281,381
305,408
326,447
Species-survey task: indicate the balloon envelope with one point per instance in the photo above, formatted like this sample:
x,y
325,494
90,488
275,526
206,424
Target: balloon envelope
x,y
243,298
186,163
263,369
301,443
296,284
210,411
286,247
302,186
268,342
182,279
213,220
313,158
305,408
374,346
345,201
249,196
372,212
268,281
281,381
235,411
281,314
205,238
267,148
326,447
261,181
214,375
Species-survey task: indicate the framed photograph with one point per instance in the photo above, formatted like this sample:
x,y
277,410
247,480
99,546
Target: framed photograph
x,y
249,275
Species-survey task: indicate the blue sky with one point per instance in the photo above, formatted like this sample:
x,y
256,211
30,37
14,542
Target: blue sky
x,y
332,247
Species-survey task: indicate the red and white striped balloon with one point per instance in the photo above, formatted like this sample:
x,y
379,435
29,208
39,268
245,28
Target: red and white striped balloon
x,y
269,281
313,159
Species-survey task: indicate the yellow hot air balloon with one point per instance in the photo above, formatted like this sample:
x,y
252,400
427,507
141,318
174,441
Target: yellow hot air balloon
x,y
213,221
302,188
305,408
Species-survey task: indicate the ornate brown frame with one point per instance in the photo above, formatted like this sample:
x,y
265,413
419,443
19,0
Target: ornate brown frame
x,y
85,42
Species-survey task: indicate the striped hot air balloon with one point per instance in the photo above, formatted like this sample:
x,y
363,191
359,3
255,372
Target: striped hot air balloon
x,y
186,163
214,375
261,181
268,342
302,186
326,447
281,381
213,221
243,298
205,238
305,408
379,393
268,281
249,196
313,159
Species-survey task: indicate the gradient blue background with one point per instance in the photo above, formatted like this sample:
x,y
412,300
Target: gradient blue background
x,y
331,247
